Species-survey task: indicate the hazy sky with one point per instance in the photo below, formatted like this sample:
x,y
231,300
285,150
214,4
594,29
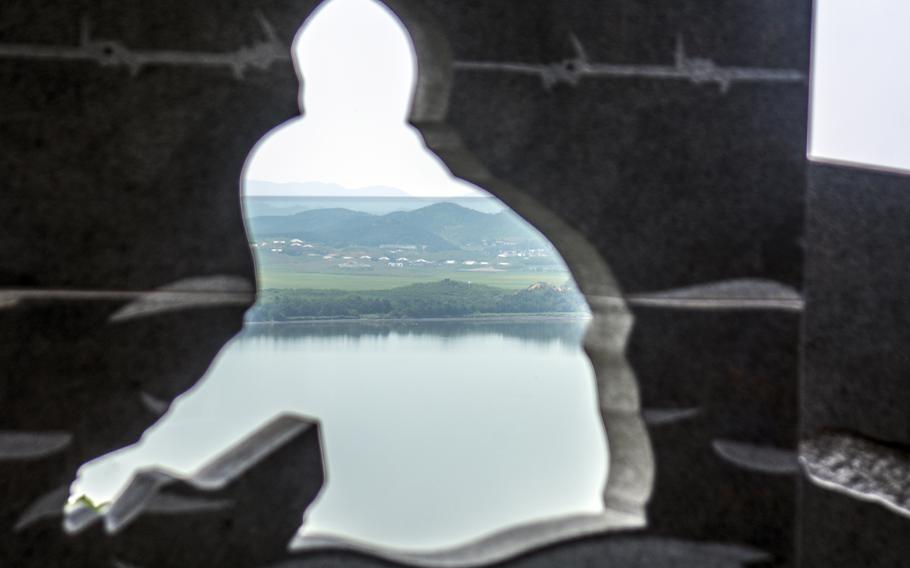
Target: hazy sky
x,y
360,69
861,83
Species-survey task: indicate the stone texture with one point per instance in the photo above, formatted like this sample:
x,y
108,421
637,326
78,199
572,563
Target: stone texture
x,y
67,370
120,182
625,551
860,468
740,369
267,508
839,531
676,183
855,362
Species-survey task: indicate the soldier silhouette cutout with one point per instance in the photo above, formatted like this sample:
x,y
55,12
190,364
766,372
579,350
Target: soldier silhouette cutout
x,y
431,454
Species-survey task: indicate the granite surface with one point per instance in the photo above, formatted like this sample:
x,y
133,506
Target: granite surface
x,y
127,182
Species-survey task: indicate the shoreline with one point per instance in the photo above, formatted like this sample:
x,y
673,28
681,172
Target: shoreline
x,y
493,318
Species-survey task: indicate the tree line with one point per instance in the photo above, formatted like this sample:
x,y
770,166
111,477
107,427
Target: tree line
x,y
447,298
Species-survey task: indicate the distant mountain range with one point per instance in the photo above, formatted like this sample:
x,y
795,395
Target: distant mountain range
x,y
264,205
441,226
317,189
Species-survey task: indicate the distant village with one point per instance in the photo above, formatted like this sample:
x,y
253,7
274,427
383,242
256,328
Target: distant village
x,y
491,256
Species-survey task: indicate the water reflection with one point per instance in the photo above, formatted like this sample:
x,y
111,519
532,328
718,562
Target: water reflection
x,y
567,331
435,433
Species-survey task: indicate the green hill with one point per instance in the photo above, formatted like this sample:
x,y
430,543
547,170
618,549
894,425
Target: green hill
x,y
441,226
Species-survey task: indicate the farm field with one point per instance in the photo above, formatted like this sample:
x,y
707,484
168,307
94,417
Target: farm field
x,y
351,280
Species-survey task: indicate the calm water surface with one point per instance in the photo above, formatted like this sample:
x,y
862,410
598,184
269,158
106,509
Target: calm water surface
x,y
433,433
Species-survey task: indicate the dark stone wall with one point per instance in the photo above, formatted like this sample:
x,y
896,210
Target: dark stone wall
x,y
857,326
114,182
855,358
677,184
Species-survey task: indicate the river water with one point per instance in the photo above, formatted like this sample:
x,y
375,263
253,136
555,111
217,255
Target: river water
x,y
433,432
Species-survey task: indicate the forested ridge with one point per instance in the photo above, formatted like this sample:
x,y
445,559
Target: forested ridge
x,y
441,226
446,298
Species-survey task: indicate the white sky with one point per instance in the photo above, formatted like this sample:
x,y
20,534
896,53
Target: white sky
x,y
861,83
360,70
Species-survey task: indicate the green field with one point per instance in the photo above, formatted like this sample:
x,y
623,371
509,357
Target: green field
x,y
365,281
